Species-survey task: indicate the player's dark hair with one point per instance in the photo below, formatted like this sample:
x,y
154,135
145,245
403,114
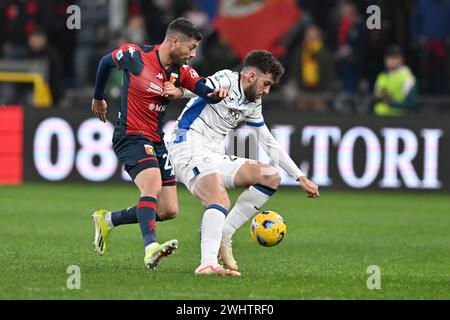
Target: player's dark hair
x,y
264,61
185,27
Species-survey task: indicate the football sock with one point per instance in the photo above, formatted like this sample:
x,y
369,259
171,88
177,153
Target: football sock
x,y
146,214
125,216
211,233
247,205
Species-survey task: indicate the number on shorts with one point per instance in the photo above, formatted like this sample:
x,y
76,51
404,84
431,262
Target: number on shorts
x,y
168,164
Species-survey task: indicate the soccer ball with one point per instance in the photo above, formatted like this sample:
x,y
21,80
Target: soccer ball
x,y
268,228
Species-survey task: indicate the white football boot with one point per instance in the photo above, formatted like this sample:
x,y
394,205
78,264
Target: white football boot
x,y
226,254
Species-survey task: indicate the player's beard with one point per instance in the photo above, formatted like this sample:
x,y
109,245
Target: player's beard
x,y
250,93
176,59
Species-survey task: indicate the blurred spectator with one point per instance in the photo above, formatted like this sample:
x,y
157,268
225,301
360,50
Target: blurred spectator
x,y
60,37
90,40
430,35
40,49
158,14
216,55
136,31
396,87
312,69
18,19
376,45
347,41
317,8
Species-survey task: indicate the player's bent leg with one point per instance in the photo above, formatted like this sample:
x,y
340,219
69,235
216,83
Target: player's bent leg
x,y
149,183
211,191
252,172
168,203
262,180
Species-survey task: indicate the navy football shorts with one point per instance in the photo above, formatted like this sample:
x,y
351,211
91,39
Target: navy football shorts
x,y
138,153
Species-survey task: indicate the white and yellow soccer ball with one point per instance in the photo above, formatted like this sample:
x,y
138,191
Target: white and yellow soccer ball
x,y
268,228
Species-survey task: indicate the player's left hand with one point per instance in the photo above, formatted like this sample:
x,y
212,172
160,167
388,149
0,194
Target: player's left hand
x,y
171,91
309,187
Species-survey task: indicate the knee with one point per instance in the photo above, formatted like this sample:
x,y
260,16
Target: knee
x,y
168,213
220,199
151,191
271,179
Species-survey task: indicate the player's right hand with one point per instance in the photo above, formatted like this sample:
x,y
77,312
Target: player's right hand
x,y
311,189
172,92
218,93
99,108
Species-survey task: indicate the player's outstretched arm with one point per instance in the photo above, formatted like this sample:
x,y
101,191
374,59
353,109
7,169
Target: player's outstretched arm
x,y
99,105
208,94
279,156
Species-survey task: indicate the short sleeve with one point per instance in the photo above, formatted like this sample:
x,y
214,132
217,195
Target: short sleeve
x,y
188,77
221,79
128,57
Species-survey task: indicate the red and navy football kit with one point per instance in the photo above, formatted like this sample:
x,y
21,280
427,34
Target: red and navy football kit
x,y
138,135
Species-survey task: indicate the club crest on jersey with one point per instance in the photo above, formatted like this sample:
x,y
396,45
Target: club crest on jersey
x,y
173,78
149,149
160,76
153,87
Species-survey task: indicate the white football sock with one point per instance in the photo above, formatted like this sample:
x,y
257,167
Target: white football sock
x,y
247,205
108,220
211,233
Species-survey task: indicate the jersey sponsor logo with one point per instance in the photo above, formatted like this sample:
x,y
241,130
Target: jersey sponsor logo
x,y
232,117
131,50
149,149
157,107
153,87
193,73
119,55
160,76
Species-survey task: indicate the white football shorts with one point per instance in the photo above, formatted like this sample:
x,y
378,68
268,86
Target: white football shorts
x,y
195,156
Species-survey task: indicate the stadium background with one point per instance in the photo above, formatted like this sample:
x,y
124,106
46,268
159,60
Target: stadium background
x,y
57,165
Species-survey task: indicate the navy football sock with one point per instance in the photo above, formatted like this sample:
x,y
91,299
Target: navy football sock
x,y
146,214
127,216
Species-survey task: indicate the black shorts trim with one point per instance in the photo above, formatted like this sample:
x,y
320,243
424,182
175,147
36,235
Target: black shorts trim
x,y
133,171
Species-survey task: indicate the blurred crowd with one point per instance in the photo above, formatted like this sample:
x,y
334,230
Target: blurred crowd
x,y
330,52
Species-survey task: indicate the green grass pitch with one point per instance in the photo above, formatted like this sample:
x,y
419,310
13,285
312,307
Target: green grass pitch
x,y
330,243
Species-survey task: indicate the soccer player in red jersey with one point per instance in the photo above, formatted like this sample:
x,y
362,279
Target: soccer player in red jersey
x,y
138,136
